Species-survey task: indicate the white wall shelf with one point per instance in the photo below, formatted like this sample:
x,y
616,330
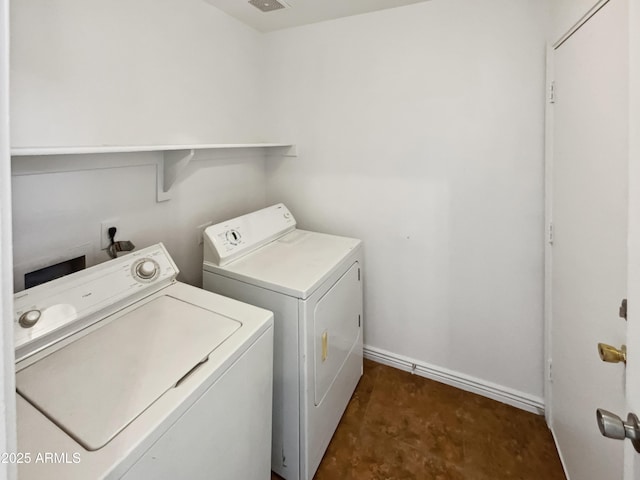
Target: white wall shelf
x,y
175,158
35,151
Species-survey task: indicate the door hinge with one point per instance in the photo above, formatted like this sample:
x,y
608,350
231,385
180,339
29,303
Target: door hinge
x,y
550,233
552,92
358,274
359,320
623,309
550,372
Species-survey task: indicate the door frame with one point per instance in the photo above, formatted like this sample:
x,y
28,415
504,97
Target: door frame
x,y
548,234
8,442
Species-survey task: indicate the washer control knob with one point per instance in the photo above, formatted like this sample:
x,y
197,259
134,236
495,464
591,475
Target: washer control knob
x,y
146,269
286,215
30,318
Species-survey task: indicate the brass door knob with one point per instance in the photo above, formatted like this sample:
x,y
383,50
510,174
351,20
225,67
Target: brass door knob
x,y
612,354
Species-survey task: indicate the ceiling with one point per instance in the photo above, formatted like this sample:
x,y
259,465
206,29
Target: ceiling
x,y
302,12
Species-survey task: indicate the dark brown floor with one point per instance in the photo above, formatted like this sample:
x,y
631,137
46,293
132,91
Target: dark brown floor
x,y
403,426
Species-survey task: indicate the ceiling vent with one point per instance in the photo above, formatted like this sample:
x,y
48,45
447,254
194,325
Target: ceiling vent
x,y
268,5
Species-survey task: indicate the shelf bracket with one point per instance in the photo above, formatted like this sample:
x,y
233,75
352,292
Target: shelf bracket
x,y
291,151
282,151
168,170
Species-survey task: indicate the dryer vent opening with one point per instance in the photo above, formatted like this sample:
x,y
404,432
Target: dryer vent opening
x,y
268,5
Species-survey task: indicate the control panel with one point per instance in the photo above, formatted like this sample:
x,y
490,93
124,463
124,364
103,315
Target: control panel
x,y
227,241
41,311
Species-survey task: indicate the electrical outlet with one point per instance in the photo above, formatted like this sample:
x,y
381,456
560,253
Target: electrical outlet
x,y
201,229
105,225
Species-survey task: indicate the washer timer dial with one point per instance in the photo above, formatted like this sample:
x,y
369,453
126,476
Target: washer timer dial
x,y
233,237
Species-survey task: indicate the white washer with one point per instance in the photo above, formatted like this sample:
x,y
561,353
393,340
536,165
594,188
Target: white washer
x,y
123,372
313,284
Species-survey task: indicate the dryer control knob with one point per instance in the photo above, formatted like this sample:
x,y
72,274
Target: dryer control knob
x,y
233,237
30,318
146,269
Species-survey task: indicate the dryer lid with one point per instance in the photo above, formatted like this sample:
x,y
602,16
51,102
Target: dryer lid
x,y
94,387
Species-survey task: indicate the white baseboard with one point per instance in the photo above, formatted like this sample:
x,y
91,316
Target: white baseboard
x,y
517,399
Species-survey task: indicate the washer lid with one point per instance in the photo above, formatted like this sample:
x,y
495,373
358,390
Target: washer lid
x,y
94,387
294,264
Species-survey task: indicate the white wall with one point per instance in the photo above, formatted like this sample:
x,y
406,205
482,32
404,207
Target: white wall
x,y
122,73
131,73
57,216
421,131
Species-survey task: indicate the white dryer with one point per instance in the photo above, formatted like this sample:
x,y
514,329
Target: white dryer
x,y
313,284
122,372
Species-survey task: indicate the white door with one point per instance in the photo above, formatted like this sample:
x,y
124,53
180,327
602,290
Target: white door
x,y
589,253
632,458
